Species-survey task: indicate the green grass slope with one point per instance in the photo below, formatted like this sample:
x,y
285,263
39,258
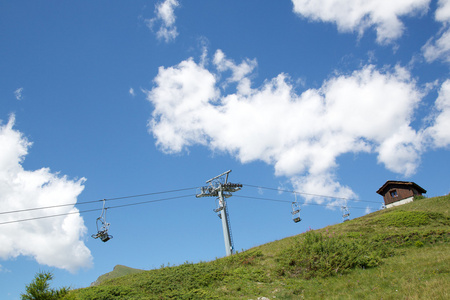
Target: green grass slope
x,y
397,253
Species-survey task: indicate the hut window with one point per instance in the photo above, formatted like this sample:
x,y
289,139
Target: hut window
x,y
394,193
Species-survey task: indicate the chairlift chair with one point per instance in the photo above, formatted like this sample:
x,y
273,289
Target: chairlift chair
x,y
102,226
345,213
102,231
296,212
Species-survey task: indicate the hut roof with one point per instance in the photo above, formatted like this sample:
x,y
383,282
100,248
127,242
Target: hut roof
x,y
382,190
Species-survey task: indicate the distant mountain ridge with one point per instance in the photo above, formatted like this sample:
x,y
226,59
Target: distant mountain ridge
x,y
118,271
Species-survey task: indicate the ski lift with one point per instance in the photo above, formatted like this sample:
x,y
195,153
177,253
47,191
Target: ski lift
x,y
102,226
345,213
296,211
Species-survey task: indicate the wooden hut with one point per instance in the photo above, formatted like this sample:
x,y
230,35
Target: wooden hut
x,y
399,192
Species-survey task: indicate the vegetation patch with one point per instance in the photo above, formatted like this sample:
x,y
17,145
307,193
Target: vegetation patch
x,y
411,238
106,293
39,288
246,258
401,218
322,256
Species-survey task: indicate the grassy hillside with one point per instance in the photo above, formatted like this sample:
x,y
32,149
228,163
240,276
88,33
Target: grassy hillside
x,y
402,252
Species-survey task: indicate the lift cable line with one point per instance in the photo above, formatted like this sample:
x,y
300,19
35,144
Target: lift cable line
x,y
304,203
145,202
50,216
95,209
226,194
94,201
171,191
309,194
220,188
157,200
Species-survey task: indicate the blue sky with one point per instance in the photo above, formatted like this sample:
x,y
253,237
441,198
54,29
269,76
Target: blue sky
x,y
103,100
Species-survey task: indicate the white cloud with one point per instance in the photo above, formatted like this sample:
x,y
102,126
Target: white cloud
x,y
322,184
182,105
165,16
56,241
131,92
301,135
358,15
18,93
239,72
439,132
439,48
443,11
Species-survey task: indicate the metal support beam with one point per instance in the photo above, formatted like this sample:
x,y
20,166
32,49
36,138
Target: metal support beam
x,y
225,225
220,188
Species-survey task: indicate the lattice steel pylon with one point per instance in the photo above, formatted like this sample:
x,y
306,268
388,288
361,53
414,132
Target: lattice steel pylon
x,y
220,187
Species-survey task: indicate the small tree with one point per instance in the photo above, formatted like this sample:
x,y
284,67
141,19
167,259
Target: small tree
x,y
39,288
